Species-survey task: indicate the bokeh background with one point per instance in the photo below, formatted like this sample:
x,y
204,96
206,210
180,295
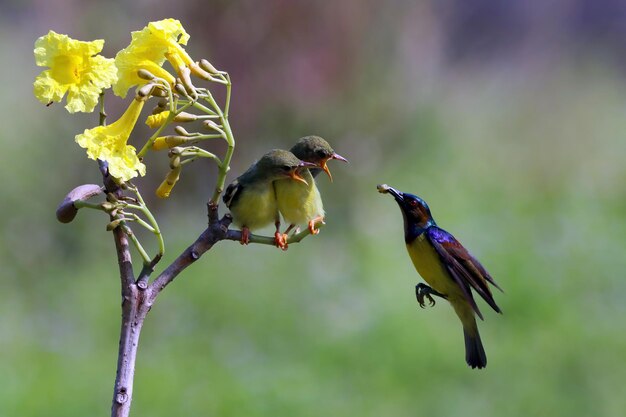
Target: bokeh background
x,y
507,117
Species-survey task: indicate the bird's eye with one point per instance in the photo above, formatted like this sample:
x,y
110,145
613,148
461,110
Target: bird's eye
x,y
286,168
320,153
412,203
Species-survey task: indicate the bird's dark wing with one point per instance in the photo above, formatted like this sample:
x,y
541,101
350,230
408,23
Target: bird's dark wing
x,y
232,193
463,267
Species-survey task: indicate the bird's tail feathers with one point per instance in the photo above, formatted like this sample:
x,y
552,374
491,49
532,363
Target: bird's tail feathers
x,y
474,352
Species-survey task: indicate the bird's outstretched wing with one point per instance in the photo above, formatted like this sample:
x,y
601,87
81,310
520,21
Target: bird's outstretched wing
x,y
466,271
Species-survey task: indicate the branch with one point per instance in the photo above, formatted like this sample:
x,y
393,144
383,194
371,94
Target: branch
x,y
266,240
124,260
217,230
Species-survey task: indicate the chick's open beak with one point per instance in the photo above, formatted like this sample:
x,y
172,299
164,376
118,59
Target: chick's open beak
x,y
295,175
325,167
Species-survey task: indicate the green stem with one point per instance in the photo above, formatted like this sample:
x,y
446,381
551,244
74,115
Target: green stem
x,y
79,204
209,136
227,105
103,114
132,217
225,166
146,212
205,109
133,238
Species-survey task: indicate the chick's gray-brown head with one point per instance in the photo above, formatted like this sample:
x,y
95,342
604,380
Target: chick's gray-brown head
x,y
316,150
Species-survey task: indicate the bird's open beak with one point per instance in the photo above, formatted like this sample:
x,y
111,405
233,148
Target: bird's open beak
x,y
294,175
325,167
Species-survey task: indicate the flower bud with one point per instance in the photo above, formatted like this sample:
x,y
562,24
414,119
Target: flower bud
x,y
158,109
167,185
165,142
144,74
145,91
67,210
114,224
175,162
181,131
106,206
185,117
207,66
210,124
175,151
178,87
199,72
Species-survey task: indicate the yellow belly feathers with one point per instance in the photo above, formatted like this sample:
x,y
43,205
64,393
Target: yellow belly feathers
x,y
256,209
299,202
429,266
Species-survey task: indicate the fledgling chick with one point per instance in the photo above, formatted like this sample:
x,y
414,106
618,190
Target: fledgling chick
x,y
251,197
301,203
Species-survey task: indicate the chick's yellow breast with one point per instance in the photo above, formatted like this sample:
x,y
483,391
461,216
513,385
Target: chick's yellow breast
x,y
428,264
255,208
298,202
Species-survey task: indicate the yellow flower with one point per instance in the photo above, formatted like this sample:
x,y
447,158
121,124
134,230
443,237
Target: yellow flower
x,y
165,189
156,120
148,49
108,143
168,142
75,69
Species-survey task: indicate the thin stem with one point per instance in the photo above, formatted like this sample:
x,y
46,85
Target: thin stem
x,y
103,114
228,88
133,217
157,231
79,204
225,166
200,136
128,231
195,152
205,109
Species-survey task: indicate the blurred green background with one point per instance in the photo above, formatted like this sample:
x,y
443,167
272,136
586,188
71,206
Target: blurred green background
x,y
507,117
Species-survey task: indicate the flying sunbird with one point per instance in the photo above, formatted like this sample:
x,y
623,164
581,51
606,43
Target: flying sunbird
x,y
448,268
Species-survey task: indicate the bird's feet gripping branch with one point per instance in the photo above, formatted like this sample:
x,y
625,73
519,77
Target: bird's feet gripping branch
x,y
280,240
314,222
245,236
424,291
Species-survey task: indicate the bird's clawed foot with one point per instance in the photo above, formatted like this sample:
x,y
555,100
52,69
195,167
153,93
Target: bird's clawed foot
x,y
245,236
424,291
314,222
280,239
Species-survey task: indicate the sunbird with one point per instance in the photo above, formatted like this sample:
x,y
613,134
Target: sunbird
x,y
300,202
251,197
447,267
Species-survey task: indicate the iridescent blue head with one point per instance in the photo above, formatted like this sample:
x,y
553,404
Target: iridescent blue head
x,y
416,213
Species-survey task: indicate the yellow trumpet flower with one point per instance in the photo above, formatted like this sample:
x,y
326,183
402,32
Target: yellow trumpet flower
x,y
108,143
148,49
75,69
